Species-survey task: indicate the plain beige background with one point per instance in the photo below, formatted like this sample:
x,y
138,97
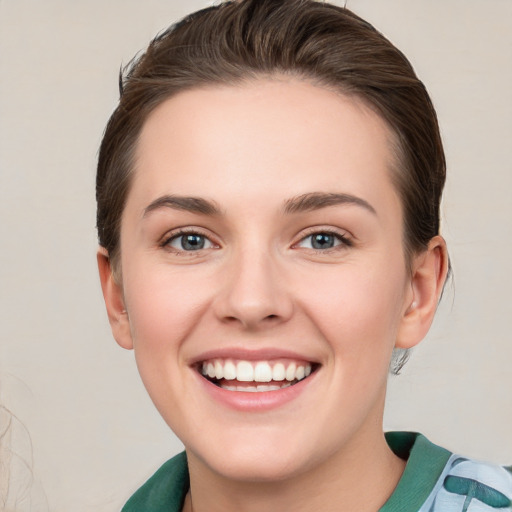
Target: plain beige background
x,y
95,434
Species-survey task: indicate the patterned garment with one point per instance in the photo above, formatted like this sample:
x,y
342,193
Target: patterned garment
x,y
434,480
471,486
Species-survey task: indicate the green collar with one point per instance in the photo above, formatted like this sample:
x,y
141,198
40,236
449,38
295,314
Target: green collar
x,y
425,463
165,491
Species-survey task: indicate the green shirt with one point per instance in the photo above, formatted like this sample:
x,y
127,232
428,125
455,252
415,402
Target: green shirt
x,y
434,480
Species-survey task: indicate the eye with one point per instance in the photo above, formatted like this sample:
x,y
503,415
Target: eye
x,y
323,240
189,242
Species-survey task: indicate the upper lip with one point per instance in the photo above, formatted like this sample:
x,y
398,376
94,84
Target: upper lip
x,y
244,354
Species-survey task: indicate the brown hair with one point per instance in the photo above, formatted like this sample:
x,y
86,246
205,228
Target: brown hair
x,y
243,40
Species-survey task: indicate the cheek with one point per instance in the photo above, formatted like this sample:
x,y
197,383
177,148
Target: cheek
x,y
359,310
163,307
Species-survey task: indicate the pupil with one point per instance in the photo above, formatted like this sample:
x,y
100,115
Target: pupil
x,y
192,242
323,241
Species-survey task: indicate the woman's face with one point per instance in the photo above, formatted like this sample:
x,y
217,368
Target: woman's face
x,y
261,242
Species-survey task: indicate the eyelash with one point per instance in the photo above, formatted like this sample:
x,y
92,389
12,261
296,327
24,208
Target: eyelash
x,y
344,240
176,235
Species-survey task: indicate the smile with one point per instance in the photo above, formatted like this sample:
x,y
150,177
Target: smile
x,y
255,376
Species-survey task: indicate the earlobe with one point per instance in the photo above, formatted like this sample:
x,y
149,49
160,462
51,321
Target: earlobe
x,y
114,301
429,271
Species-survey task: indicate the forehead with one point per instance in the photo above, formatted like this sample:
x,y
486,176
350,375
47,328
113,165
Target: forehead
x,y
273,135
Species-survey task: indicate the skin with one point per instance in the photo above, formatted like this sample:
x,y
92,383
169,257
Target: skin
x,y
260,285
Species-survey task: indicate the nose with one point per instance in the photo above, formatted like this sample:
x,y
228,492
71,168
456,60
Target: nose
x,y
254,293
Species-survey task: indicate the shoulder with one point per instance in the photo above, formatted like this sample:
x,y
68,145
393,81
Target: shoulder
x,y
466,482
165,490
436,480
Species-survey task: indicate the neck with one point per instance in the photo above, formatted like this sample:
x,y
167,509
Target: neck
x,y
360,478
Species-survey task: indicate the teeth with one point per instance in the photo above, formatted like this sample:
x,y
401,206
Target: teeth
x,y
219,370
256,389
268,388
244,371
279,372
258,371
229,371
262,372
290,371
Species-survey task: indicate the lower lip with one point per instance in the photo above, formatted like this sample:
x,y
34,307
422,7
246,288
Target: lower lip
x,y
256,401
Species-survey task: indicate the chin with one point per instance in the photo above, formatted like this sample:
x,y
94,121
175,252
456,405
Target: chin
x,y
257,469
259,459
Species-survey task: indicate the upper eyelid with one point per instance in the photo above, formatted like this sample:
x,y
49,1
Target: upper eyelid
x,y
177,232
324,229
342,233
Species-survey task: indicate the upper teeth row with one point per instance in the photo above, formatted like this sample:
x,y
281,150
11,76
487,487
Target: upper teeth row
x,y
261,371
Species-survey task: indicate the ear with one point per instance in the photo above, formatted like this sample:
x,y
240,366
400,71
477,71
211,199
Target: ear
x,y
114,301
429,271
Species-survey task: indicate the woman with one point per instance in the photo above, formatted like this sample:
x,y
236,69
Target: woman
x,y
268,214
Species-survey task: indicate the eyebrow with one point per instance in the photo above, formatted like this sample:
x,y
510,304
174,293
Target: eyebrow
x,y
303,203
318,200
189,204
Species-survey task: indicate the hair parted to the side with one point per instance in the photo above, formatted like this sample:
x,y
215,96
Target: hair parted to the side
x,y
244,40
